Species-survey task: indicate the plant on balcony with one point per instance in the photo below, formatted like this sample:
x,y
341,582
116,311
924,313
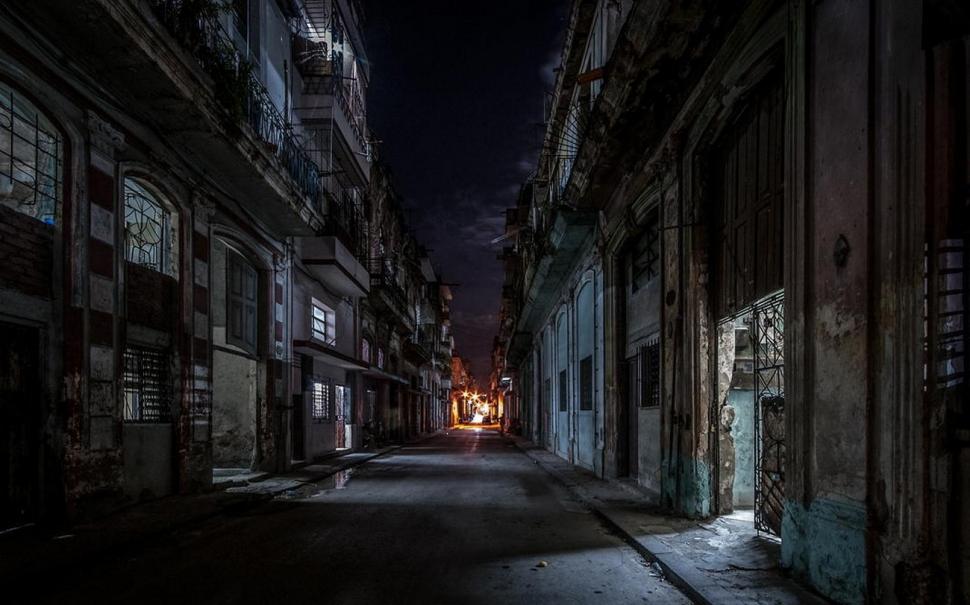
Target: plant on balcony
x,y
232,79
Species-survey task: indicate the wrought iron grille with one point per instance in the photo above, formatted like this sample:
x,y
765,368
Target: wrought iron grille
x,y
30,159
200,32
769,384
320,399
145,227
643,371
148,387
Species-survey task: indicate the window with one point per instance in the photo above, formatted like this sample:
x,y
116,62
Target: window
x,y
30,159
646,253
586,383
563,385
323,326
148,229
644,375
148,393
240,302
365,350
321,395
380,359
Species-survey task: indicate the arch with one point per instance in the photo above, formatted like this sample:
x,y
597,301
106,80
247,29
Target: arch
x,y
152,228
32,157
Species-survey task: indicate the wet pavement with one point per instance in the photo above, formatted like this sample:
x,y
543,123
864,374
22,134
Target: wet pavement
x,y
464,517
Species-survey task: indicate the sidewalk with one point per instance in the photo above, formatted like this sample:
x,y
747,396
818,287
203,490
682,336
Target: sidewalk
x,y
716,561
34,553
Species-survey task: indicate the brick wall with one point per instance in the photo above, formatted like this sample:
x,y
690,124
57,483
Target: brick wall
x,y
152,298
26,251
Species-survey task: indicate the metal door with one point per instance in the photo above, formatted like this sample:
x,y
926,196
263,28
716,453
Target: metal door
x,y
769,441
20,411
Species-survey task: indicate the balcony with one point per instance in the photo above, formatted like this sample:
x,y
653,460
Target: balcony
x,y
245,97
176,72
345,220
329,260
332,107
387,295
567,237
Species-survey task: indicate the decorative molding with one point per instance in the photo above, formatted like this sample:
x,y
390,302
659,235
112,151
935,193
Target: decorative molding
x,y
104,137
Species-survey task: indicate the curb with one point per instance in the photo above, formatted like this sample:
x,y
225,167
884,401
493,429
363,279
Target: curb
x,y
678,569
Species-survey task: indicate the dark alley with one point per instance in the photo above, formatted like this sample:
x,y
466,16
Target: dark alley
x,y
506,301
459,518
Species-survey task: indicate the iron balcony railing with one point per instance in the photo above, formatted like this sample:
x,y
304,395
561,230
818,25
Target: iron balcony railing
x,y
345,220
195,24
383,275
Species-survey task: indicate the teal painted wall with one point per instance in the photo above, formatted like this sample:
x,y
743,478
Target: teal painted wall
x,y
826,546
742,430
687,487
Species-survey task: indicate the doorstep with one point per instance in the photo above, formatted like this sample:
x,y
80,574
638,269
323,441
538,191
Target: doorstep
x,y
720,560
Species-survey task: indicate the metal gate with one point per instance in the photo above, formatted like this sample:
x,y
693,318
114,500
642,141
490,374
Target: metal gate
x,y
769,384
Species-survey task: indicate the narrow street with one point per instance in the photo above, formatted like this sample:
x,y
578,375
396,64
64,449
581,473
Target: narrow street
x,y
459,518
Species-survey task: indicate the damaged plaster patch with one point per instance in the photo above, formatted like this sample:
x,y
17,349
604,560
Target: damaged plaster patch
x,y
837,323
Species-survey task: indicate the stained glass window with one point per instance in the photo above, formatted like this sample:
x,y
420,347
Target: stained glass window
x,y
146,228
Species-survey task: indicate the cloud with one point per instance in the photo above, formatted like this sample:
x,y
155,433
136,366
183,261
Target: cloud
x,y
547,71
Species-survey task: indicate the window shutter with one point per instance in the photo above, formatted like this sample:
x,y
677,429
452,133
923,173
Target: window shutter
x,y
241,302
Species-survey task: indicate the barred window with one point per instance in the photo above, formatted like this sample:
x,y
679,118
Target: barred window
x,y
30,158
321,395
148,388
644,374
586,383
148,229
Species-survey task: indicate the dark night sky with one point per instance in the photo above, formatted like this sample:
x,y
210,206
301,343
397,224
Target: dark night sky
x,y
456,94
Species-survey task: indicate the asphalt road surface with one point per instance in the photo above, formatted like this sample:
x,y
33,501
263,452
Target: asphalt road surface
x,y
459,518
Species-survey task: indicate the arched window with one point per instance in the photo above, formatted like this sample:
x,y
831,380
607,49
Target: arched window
x,y
31,155
149,229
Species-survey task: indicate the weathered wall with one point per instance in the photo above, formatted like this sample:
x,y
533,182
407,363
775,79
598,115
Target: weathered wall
x,y
26,249
149,460
235,380
233,410
823,536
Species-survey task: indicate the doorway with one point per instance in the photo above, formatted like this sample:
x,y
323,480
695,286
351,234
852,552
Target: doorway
x,y
749,414
20,419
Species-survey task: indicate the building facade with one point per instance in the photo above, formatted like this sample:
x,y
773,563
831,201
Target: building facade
x,y
185,247
739,282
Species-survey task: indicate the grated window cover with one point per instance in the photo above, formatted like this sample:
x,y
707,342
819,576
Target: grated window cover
x,y
148,389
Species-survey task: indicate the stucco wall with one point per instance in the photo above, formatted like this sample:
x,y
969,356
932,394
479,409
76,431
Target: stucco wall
x,y
233,410
148,460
